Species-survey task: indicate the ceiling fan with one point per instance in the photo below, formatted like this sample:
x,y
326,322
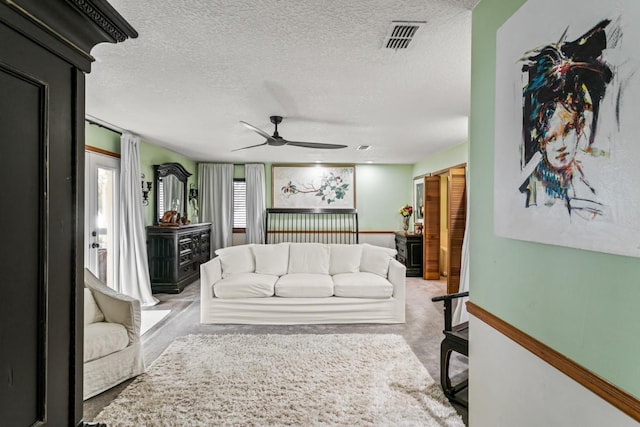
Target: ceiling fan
x,y
277,140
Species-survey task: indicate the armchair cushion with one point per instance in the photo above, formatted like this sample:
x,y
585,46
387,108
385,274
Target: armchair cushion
x,y
103,338
117,307
112,347
92,312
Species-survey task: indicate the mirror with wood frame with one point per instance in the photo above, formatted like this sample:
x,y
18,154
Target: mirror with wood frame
x,y
171,185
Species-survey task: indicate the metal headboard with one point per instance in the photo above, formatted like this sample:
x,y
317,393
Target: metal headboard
x,y
311,225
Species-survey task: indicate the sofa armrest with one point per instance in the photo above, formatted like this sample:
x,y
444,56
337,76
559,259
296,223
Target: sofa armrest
x,y
210,273
116,307
397,276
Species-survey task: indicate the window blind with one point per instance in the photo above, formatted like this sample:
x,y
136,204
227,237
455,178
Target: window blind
x,y
239,204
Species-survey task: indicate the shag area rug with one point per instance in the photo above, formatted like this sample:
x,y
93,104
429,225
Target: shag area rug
x,y
284,380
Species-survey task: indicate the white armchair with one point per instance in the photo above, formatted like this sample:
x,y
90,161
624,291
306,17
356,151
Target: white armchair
x,y
112,347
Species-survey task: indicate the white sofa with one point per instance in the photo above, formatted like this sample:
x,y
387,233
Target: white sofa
x,y
302,283
112,348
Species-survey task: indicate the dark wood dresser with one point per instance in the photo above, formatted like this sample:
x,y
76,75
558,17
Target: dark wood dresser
x,y
175,254
409,247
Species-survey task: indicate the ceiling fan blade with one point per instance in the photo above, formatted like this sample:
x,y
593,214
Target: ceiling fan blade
x,y
315,145
257,130
251,146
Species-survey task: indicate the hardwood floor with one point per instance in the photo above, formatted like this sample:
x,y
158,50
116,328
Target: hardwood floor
x,y
422,331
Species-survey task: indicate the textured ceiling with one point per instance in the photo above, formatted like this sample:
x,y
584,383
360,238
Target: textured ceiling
x,y
199,67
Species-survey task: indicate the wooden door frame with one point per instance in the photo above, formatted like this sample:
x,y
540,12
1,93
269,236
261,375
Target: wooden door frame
x,y
431,226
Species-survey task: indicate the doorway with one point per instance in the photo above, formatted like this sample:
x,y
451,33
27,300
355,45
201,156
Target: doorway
x,y
445,203
102,195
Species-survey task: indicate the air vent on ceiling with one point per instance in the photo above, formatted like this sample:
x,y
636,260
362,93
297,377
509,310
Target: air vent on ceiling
x,y
401,34
363,147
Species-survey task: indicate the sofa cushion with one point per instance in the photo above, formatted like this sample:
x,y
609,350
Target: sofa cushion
x,y
271,258
345,258
245,285
309,258
103,338
375,259
92,312
361,285
304,285
236,259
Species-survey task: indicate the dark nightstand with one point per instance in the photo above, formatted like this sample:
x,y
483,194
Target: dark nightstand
x,y
409,247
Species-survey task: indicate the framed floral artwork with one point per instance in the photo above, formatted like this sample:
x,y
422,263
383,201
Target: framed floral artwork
x,y
313,186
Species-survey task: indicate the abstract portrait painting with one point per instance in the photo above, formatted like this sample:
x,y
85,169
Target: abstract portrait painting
x,y
567,106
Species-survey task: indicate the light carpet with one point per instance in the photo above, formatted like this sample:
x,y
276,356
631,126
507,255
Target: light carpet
x,y
277,380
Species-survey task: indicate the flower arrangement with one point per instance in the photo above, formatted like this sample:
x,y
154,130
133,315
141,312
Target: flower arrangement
x,y
406,210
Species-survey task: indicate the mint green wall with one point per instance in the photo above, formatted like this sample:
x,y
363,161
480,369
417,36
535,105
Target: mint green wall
x,y
583,304
149,155
381,190
102,138
445,159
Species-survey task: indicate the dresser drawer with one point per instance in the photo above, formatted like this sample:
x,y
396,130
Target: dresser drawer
x,y
402,251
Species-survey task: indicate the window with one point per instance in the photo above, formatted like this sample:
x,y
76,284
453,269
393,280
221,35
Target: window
x,y
239,204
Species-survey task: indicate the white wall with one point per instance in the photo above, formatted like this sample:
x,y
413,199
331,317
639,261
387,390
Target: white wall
x,y
545,396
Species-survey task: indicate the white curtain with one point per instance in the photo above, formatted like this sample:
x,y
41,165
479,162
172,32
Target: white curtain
x,y
134,267
460,314
255,181
215,184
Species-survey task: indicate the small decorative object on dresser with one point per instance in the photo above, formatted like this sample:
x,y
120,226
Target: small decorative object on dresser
x,y
406,212
417,228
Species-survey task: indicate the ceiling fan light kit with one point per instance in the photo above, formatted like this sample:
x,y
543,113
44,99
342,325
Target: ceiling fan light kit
x,y
276,140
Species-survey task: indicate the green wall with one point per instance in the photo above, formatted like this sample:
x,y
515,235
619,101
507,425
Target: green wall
x,y
102,138
150,155
582,304
381,190
445,159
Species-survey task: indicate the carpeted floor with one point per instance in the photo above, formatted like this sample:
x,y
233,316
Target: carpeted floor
x,y
422,331
276,380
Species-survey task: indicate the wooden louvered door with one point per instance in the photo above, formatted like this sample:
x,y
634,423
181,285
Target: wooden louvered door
x,y
457,213
431,230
